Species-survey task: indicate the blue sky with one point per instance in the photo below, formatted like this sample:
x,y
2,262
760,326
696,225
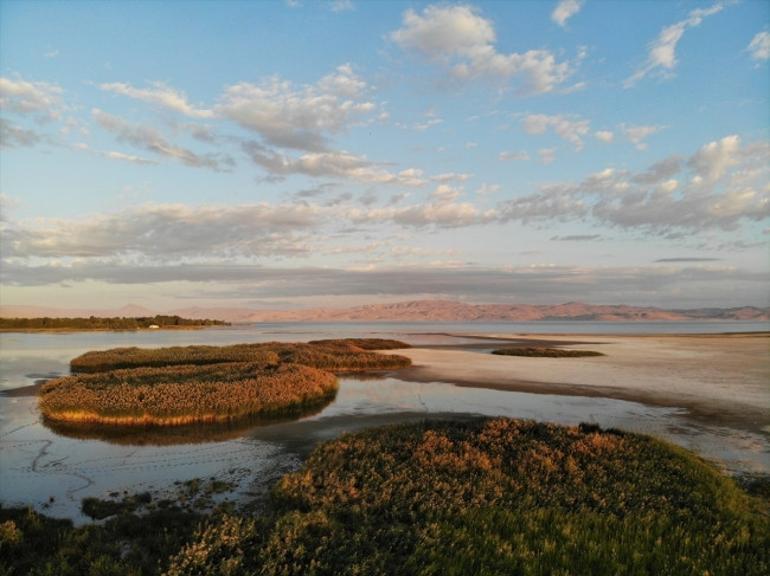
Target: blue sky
x,y
334,153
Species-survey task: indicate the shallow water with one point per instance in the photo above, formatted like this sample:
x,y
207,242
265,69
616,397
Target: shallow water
x,y
54,471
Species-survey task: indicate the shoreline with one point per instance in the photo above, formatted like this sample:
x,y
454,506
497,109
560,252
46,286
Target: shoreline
x,y
717,379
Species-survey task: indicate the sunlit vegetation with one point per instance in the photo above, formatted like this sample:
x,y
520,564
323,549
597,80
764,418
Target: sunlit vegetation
x,y
94,323
181,395
195,433
484,496
364,343
546,352
116,358
493,497
337,356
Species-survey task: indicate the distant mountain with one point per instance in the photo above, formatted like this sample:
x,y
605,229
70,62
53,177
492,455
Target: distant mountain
x,y
421,310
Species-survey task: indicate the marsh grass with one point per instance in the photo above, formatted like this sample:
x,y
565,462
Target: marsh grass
x,y
493,496
117,358
334,355
480,496
178,396
534,352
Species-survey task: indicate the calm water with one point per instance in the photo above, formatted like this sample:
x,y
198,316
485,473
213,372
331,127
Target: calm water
x,y
54,470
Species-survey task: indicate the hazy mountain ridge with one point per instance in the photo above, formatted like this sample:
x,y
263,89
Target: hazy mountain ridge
x,y
420,310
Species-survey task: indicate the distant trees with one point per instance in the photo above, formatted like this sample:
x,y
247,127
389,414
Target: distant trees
x,y
94,323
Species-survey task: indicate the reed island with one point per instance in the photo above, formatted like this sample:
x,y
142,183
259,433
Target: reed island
x,y
207,384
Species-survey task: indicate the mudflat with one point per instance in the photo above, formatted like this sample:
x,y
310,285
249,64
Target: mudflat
x,y
722,378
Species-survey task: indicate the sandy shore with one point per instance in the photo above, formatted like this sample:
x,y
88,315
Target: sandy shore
x,y
722,378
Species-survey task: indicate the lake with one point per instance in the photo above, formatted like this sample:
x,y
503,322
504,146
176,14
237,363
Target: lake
x,y
53,470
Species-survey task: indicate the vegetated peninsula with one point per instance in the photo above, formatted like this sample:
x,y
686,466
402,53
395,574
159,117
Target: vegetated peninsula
x,y
207,384
114,323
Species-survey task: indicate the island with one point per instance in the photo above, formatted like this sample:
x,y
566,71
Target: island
x,y
178,386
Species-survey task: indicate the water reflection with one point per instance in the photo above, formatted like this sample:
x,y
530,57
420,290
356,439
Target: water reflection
x,y
172,435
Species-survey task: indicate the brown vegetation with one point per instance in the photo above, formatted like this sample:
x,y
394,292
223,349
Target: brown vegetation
x,y
546,352
334,355
175,395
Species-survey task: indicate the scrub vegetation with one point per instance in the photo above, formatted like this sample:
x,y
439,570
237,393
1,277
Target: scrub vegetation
x,y
481,496
206,384
180,395
493,496
94,323
546,352
335,355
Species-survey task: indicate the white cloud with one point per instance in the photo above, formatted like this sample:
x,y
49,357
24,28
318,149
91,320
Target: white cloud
x,y
638,134
12,136
713,160
160,95
342,6
150,139
661,56
759,47
509,155
565,10
605,136
170,230
301,117
115,155
39,99
728,183
330,164
547,155
459,37
451,177
569,129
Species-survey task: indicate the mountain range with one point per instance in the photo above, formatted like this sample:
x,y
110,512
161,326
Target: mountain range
x,y
416,311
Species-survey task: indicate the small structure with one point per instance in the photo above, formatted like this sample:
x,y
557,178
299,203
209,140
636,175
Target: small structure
x,y
153,326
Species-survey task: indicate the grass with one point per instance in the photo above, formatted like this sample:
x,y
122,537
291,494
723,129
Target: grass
x,y
493,496
534,352
32,544
182,386
481,496
117,358
99,509
183,395
334,355
364,343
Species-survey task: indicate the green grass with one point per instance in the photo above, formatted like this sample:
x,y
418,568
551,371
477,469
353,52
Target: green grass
x,y
545,352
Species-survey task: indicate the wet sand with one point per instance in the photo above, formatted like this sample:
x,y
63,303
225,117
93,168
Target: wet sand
x,y
720,378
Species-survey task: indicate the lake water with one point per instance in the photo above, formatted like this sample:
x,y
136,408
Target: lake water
x,y
54,469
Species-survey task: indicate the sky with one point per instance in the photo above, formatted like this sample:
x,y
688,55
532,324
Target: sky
x,y
303,154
